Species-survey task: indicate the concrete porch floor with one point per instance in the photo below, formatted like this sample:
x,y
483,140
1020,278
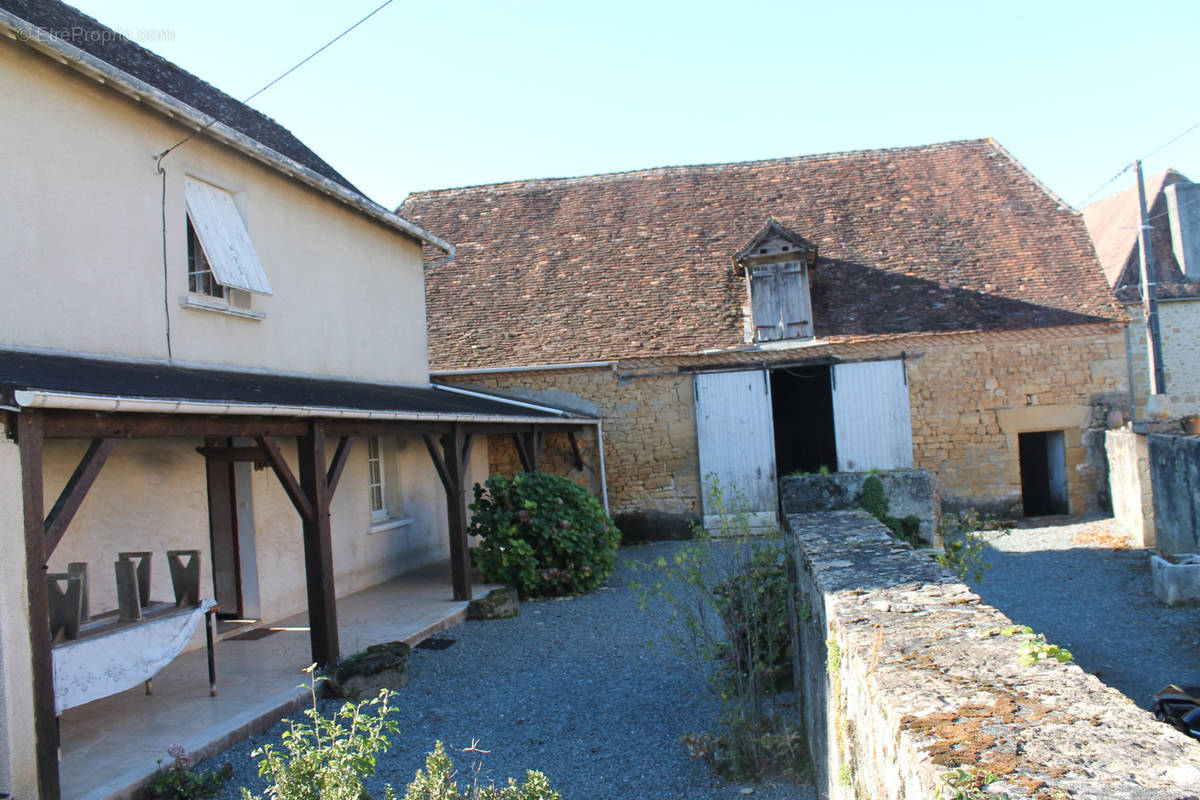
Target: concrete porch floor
x,y
111,746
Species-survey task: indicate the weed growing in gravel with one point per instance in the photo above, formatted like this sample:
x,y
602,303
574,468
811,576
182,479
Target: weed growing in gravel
x,y
963,547
178,781
969,784
729,597
436,782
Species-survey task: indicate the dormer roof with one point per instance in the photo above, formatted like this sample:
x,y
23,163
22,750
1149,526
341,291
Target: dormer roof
x,y
773,243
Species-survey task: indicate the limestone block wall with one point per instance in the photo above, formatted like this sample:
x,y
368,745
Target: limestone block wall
x,y
971,396
1129,484
1179,327
650,446
908,492
905,681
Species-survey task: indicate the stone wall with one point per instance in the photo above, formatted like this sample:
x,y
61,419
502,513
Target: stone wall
x,y
1175,472
908,491
1178,322
1130,486
971,395
905,680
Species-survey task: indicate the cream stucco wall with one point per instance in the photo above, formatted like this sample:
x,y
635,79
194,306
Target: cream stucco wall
x,y
18,773
1179,327
82,221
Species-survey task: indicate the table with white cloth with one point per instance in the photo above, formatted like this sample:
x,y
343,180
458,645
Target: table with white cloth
x,y
113,655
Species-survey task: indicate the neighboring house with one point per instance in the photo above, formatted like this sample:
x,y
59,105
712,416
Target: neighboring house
x,y
1173,214
181,274
931,306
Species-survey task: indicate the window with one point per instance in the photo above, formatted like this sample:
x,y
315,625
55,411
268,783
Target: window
x,y
376,486
780,301
223,267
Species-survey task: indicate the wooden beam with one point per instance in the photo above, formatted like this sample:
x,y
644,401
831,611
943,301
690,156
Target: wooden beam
x,y
439,463
290,485
45,722
76,489
451,460
232,454
523,453
576,455
318,547
87,425
340,457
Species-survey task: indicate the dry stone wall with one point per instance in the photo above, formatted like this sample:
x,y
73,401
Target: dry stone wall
x,y
1178,321
908,676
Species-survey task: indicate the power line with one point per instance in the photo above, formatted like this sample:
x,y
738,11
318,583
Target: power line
x,y
283,75
1129,166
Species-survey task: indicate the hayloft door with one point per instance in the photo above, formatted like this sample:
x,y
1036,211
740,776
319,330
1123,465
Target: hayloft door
x,y
872,424
736,443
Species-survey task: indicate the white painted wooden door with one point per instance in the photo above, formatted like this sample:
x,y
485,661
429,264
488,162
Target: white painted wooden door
x,y
871,419
737,442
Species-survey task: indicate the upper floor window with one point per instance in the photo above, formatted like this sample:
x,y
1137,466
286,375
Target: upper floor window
x,y
223,267
776,264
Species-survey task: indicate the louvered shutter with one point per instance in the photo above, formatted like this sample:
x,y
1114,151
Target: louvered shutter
x,y
765,299
797,310
223,236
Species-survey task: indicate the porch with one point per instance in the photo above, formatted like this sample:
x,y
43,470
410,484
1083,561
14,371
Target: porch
x,y
111,746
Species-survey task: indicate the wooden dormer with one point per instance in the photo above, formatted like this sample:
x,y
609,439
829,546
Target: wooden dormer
x,y
776,262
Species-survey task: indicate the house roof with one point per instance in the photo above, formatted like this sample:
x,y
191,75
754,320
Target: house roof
x,y
1113,223
27,379
954,236
83,43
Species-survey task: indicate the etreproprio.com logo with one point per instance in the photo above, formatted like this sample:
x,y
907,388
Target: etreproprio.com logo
x,y
81,36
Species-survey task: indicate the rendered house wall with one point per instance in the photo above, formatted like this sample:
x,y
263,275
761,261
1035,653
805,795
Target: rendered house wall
x,y
83,216
971,395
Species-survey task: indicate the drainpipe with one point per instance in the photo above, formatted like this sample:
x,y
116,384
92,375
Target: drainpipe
x,y
1157,405
603,474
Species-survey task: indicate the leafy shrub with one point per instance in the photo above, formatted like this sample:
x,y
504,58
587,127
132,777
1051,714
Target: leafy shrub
x,y
875,503
542,534
754,603
327,758
963,547
178,781
436,782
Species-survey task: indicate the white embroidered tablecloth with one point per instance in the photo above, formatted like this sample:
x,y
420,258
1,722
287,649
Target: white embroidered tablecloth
x,y
102,665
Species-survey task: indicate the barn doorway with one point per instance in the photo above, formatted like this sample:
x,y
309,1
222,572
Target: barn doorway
x,y
1043,459
802,402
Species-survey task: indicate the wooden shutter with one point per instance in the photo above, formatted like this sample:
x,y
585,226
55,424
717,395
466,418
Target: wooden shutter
x,y
736,440
872,424
766,302
797,310
223,236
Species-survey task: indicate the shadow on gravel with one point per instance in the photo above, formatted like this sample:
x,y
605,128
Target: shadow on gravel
x,y
1097,602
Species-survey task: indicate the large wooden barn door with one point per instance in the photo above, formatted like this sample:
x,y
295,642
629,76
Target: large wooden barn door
x,y
736,442
872,423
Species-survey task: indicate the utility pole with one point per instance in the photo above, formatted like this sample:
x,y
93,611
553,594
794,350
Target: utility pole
x,y
1157,405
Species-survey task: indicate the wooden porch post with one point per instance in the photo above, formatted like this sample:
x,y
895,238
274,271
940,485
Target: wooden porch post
x,y
318,547
451,461
30,439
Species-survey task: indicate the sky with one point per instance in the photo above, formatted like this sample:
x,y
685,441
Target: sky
x,y
429,95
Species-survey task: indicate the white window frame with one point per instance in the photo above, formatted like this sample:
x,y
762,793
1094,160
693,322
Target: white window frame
x,y
376,479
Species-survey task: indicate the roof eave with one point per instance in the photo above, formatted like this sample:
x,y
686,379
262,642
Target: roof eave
x,y
102,72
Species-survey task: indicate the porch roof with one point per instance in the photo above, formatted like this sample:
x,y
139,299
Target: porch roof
x,y
33,380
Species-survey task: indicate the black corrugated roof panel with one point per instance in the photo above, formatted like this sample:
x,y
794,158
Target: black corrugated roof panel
x,y
153,381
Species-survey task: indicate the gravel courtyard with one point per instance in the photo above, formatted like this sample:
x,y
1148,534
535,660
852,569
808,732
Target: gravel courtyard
x,y
580,688
1078,582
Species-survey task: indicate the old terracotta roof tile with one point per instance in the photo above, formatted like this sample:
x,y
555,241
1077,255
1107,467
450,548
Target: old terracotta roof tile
x,y
946,237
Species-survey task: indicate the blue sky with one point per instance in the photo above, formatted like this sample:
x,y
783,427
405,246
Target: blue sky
x,y
428,95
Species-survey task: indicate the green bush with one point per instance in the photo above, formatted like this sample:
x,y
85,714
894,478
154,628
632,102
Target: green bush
x,y
542,534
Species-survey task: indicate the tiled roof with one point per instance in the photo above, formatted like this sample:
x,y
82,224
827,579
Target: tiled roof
x,y
78,29
1112,223
945,237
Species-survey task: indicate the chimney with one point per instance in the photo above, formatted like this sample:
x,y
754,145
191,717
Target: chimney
x,y
1183,212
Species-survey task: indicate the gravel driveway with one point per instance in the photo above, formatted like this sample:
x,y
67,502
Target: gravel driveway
x,y
576,688
1077,582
